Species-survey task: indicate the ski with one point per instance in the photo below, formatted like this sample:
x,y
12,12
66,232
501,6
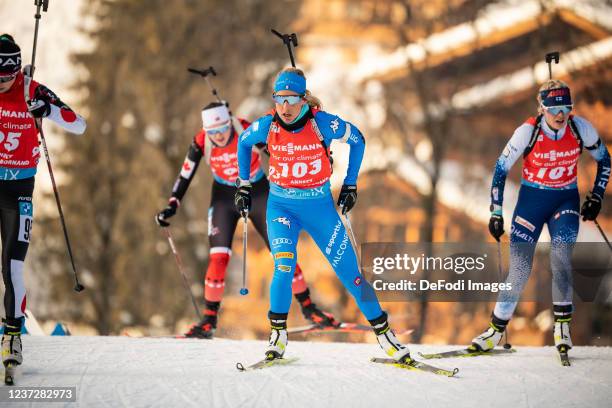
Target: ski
x,y
342,328
564,357
467,352
415,365
266,362
10,370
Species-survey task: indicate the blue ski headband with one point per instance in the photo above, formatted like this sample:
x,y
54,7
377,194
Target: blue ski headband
x,y
556,97
290,81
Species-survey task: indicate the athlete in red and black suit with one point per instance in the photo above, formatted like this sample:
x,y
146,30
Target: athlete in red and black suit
x,y
217,142
22,101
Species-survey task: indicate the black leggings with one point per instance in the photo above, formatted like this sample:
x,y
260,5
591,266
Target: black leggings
x,y
15,227
223,216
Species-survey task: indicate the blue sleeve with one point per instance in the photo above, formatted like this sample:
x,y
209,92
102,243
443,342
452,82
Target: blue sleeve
x,y
498,185
603,170
254,134
332,128
512,152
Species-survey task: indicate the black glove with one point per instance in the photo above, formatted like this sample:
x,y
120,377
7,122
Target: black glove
x,y
39,108
242,199
591,207
347,198
167,212
496,226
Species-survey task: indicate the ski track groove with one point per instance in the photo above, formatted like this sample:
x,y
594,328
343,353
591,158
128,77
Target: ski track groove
x,y
122,371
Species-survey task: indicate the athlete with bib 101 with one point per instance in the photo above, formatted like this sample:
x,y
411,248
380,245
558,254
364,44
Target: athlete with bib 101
x,y
22,101
550,145
298,135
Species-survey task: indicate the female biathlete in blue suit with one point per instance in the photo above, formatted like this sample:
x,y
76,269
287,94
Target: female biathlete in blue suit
x,y
217,144
298,135
550,145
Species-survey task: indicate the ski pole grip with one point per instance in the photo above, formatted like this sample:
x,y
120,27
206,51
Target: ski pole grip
x,y
552,56
43,3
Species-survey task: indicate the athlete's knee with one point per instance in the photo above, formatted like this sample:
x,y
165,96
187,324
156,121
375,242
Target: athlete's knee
x,y
523,231
214,283
284,268
298,283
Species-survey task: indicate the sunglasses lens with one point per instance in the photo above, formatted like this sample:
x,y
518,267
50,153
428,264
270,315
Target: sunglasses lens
x,y
217,130
290,99
7,79
554,110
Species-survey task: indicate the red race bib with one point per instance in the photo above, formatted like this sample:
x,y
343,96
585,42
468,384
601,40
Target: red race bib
x,y
552,163
18,135
297,160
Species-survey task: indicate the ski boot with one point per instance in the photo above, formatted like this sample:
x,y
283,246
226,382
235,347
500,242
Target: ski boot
x,y
11,342
205,329
313,313
278,336
387,340
490,337
561,330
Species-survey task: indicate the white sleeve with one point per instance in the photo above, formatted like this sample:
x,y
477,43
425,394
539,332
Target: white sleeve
x,y
590,137
67,119
516,146
587,132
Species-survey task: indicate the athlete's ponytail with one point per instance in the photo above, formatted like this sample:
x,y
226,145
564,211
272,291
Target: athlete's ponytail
x,y
312,100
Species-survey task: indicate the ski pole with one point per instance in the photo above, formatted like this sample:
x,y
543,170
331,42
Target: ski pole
x,y
550,57
354,244
179,263
205,72
288,40
603,234
43,5
507,345
244,291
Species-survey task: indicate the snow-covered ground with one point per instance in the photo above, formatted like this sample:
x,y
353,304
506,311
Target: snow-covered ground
x,y
146,372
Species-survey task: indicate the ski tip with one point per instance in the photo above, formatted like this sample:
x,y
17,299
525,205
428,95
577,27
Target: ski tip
x,y
427,356
240,367
455,371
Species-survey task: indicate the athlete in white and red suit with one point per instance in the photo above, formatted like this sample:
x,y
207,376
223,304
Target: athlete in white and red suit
x,y
22,101
550,145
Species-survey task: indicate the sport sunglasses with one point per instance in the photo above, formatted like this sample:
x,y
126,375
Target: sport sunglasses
x,y
220,129
554,110
7,78
290,99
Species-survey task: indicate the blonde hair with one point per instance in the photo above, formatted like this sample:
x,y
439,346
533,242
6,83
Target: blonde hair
x,y
312,100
